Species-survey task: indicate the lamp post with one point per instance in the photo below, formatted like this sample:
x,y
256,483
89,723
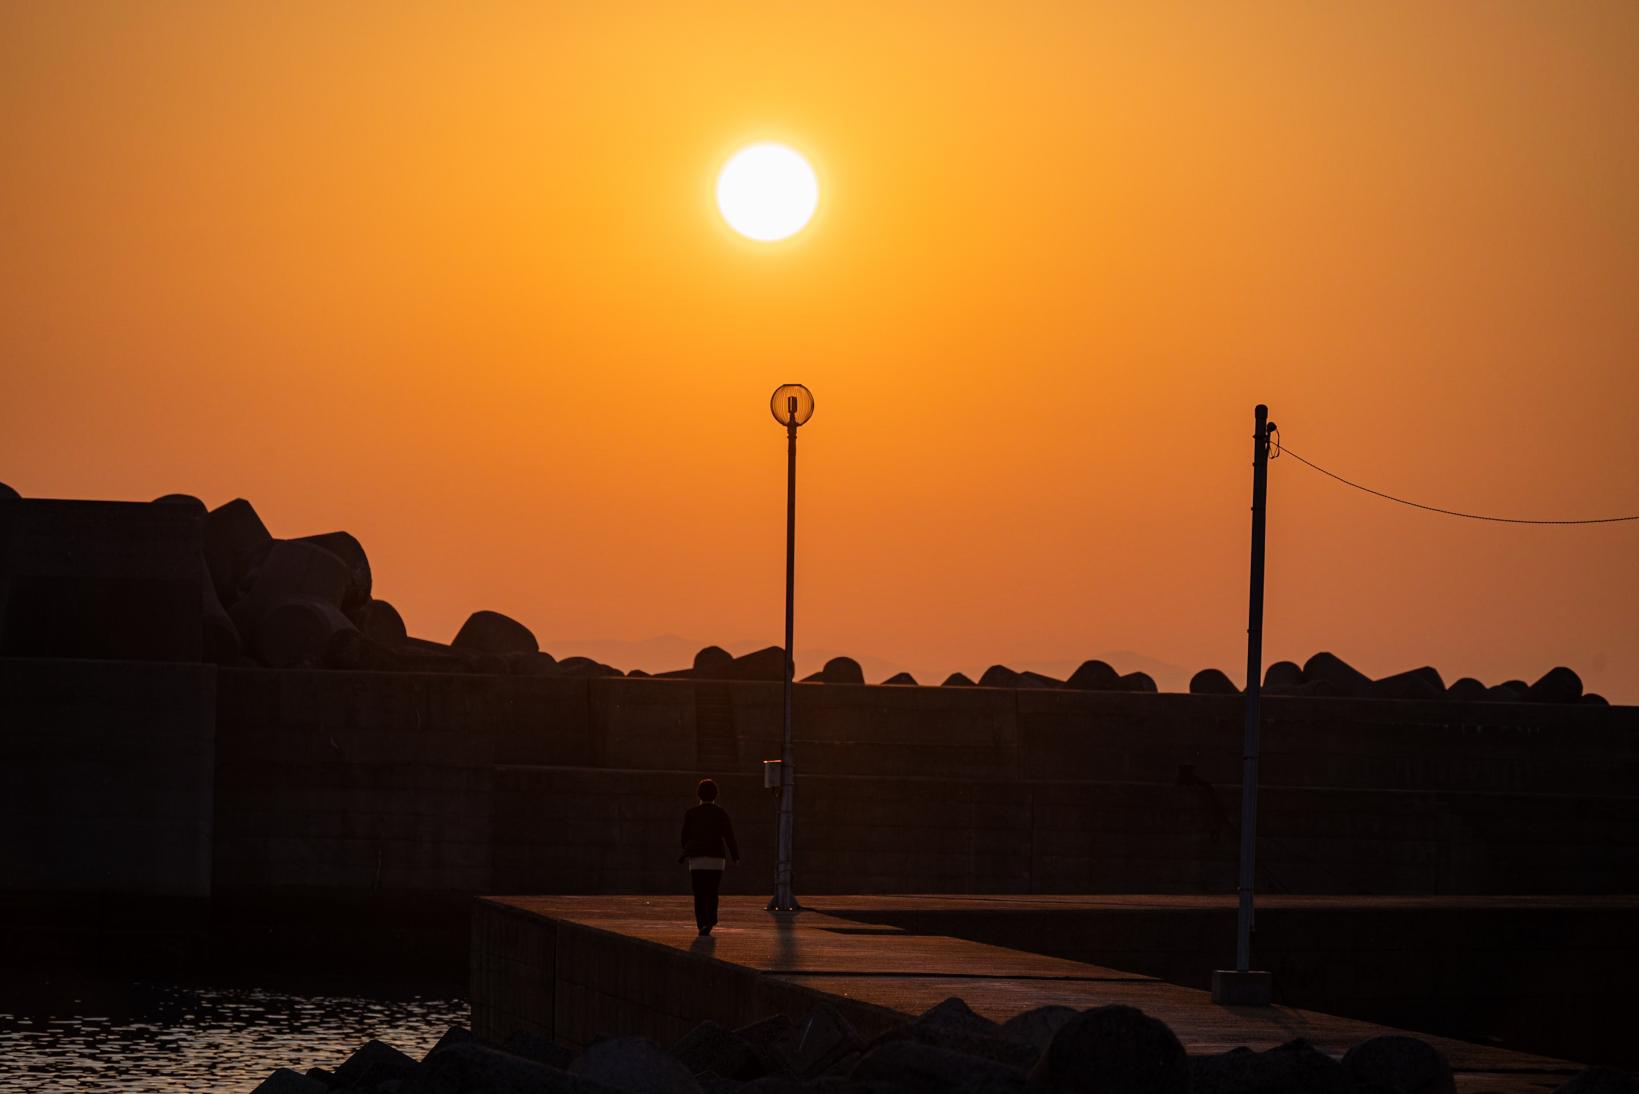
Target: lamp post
x,y
792,405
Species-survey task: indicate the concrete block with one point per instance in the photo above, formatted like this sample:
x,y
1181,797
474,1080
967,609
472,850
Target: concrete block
x,y
105,580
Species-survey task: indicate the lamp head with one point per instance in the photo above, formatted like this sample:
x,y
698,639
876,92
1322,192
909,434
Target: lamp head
x,y
792,404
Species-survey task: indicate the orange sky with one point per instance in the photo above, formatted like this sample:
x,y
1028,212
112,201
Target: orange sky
x,y
450,277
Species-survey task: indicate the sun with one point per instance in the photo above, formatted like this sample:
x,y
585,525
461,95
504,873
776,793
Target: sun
x,y
767,191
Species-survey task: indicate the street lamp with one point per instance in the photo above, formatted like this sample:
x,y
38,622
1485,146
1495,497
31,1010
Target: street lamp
x,y
792,405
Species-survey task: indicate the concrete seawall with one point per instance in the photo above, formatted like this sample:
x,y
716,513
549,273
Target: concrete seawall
x,y
107,777
361,784
500,784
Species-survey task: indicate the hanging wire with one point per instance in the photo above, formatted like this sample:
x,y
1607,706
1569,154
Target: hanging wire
x,y
1279,449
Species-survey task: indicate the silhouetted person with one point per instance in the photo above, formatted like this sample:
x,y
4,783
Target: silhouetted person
x,y
708,846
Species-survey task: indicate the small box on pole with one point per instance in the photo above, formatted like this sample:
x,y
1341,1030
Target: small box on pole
x,y
771,774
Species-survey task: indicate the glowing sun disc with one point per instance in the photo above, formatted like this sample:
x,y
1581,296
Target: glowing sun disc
x,y
767,191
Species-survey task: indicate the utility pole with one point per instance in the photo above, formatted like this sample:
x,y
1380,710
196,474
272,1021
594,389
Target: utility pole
x,y
1244,986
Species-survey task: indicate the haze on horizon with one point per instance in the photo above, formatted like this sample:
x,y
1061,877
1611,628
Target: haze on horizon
x,y
452,279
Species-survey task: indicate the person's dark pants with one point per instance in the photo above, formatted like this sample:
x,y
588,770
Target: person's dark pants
x,y
705,884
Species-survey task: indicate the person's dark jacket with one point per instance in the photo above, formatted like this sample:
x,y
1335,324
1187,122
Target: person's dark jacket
x,y
706,831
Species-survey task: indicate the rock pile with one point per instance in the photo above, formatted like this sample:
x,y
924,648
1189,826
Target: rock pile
x,y
1329,676
309,602
768,663
1324,674
1108,1050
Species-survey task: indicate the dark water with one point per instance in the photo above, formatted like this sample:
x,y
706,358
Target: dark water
x,y
152,1036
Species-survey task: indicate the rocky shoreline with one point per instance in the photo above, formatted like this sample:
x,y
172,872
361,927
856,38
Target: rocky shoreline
x,y
1104,1050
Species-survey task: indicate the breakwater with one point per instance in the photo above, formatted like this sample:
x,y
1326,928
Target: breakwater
x,y
133,770
191,780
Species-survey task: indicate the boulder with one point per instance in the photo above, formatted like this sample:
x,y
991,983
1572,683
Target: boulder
x,y
1558,685
8,494
1594,699
953,1015
901,679
778,1084
377,1062
1282,676
235,543
539,663
351,552
307,632
424,655
455,1035
1094,676
538,1047
767,663
584,666
471,1066
187,500
771,1084
1028,679
917,1068
842,670
1332,676
1465,689
1037,1026
953,1026
286,1081
1296,1067
635,1065
999,676
709,1048
811,1046
1402,1064
289,571
711,661
1138,682
380,621
958,680
636,673
369,656
765,1032
1423,683
1509,691
492,632
1115,1050
762,1035
222,645
1212,682
1601,1080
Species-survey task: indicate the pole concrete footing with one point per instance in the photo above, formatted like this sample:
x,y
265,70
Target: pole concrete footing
x,y
1232,988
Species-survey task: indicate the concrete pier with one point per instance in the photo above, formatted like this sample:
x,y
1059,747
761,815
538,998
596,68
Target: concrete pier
x,y
575,967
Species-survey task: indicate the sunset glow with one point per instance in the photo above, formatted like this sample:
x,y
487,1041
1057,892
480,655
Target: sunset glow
x,y
454,278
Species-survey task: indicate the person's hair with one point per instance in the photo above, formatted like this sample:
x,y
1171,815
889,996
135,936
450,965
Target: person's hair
x,y
707,790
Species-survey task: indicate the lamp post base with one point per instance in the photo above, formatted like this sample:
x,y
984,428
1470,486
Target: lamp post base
x,y
791,909
1232,988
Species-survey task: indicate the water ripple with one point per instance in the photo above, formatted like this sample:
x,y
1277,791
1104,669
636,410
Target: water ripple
x,y
207,1039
